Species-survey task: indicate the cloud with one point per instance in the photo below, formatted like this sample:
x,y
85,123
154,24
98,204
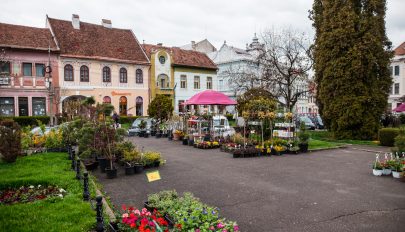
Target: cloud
x,y
177,22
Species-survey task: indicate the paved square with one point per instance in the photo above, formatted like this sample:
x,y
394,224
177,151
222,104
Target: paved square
x,y
331,190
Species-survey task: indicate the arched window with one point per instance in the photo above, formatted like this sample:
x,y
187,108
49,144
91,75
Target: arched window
x,y
68,72
107,100
123,75
139,106
106,74
163,81
139,76
123,105
84,74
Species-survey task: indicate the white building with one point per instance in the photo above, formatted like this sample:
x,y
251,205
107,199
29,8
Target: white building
x,y
398,77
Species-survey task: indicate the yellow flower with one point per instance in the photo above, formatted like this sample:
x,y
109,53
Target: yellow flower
x,y
245,114
261,115
288,115
271,115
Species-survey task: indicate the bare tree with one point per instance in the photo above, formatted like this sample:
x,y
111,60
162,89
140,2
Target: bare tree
x,y
285,62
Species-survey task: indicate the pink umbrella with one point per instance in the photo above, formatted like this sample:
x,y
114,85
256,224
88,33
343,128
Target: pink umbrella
x,y
400,108
210,97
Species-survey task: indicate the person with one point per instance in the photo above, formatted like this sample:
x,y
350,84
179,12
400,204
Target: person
x,y
116,118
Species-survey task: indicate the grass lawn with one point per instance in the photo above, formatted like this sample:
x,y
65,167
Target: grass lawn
x,y
126,126
319,144
327,136
52,214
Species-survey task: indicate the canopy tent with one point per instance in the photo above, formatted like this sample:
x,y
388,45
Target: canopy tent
x,y
400,108
210,97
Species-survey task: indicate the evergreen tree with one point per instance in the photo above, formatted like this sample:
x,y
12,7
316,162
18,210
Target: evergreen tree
x,y
352,56
161,107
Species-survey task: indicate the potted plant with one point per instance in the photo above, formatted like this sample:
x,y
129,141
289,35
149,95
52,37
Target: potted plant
x,y
387,167
279,149
142,128
152,159
129,158
137,163
303,136
397,168
185,140
377,168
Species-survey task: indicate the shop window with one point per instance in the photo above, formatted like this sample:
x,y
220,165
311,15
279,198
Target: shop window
x,y
106,100
38,106
6,106
139,106
23,106
123,105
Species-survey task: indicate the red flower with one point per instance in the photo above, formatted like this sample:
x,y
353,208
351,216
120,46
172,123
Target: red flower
x,y
131,215
124,207
133,225
131,208
144,221
178,226
162,221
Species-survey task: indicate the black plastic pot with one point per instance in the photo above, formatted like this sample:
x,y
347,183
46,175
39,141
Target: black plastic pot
x,y
138,168
158,135
190,142
111,173
91,165
141,134
147,206
129,170
103,163
303,147
146,135
153,133
156,163
185,141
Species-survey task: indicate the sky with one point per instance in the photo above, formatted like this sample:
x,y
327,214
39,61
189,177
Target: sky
x,y
177,22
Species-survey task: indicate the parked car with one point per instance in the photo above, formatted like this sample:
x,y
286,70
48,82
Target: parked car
x,y
134,129
308,123
221,126
317,120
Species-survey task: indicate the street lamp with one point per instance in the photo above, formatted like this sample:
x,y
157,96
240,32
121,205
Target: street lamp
x,y
48,84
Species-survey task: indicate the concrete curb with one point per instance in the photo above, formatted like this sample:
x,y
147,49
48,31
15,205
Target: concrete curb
x,y
328,148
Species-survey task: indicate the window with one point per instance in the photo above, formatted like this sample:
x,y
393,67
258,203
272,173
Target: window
x,y
68,72
181,106
38,106
22,106
5,67
396,70
162,59
27,69
139,76
139,106
196,82
6,106
123,75
84,73
106,100
123,105
106,74
396,88
39,70
183,81
221,84
163,81
209,82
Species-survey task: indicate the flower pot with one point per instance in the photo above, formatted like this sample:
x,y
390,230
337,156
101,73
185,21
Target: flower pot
x,y
103,163
158,135
129,170
386,171
303,147
147,206
170,221
141,134
91,165
185,142
156,163
176,136
169,137
146,135
111,173
377,172
153,133
190,142
396,174
138,168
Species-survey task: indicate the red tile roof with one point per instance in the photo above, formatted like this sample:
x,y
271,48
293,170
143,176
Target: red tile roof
x,y
16,36
400,50
183,57
97,42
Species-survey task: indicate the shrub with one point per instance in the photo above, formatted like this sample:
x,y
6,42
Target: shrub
x,y
303,135
400,141
127,119
150,157
28,120
10,137
402,118
386,136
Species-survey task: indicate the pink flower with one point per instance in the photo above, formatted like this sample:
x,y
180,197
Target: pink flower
x,y
236,228
125,215
220,225
197,230
224,231
147,213
212,228
144,210
137,212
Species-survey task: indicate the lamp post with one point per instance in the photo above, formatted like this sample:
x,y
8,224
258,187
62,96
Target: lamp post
x,y
48,84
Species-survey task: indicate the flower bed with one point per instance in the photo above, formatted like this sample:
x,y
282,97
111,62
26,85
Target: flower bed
x,y
142,220
188,213
30,193
207,145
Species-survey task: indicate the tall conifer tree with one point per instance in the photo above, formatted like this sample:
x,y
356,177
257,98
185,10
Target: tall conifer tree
x,y
352,56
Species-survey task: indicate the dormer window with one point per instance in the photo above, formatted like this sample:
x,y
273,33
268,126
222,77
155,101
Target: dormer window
x,y
162,59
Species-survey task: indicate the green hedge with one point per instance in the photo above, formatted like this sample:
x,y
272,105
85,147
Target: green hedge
x,y
127,119
386,136
28,120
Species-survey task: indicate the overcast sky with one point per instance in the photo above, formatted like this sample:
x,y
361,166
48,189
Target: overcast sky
x,y
177,22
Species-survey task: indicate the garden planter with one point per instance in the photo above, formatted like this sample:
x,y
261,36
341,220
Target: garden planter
x,y
303,147
147,206
91,165
141,134
152,133
103,164
149,165
129,170
386,171
111,173
156,163
138,168
158,135
377,172
396,174
185,141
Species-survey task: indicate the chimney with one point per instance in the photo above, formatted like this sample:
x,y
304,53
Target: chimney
x,y
75,21
193,45
159,44
106,23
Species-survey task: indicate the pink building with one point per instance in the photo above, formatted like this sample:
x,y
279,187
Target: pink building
x,y
24,58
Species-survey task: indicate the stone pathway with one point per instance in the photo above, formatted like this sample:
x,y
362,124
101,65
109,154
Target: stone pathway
x,y
330,190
